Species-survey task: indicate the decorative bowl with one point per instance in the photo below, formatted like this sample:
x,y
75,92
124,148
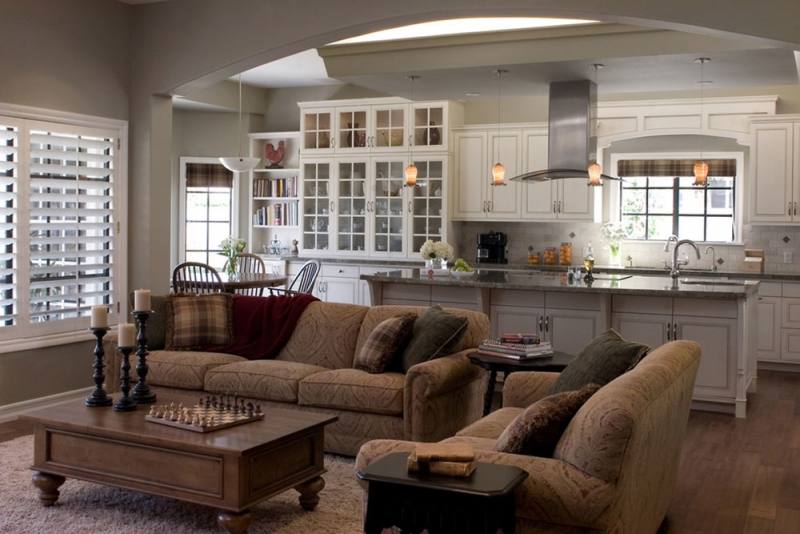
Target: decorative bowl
x,y
462,274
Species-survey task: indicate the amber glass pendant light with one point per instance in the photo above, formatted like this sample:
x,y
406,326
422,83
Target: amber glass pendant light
x,y
595,170
410,172
701,166
498,169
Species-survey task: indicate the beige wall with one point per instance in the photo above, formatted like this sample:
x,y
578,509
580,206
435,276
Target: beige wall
x,y
281,112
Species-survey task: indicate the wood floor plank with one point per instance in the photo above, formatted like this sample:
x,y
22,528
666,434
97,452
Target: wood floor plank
x,y
764,500
787,521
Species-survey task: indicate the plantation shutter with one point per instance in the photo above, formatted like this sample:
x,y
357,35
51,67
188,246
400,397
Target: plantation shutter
x,y
9,185
71,220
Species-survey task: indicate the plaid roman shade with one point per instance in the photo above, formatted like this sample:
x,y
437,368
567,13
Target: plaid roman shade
x,y
196,321
673,167
208,175
384,343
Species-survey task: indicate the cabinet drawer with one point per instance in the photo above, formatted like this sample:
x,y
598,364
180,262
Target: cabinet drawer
x,y
467,295
649,305
524,299
770,289
382,269
790,344
789,290
573,301
406,292
340,271
791,312
727,309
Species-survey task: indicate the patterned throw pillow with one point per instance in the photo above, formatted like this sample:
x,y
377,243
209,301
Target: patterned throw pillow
x,y
384,343
435,334
536,431
195,321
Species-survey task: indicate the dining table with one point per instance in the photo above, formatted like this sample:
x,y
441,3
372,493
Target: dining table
x,y
239,281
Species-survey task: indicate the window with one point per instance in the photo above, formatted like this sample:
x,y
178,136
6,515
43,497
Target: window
x,y
59,184
654,206
208,200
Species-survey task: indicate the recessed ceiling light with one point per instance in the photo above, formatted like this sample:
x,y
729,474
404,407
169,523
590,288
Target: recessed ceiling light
x,y
439,28
472,94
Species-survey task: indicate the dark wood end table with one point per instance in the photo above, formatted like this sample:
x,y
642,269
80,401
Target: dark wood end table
x,y
413,502
494,364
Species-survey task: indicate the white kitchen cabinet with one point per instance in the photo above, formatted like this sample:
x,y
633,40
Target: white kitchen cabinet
x,y
652,330
429,122
351,183
775,183
768,328
717,337
317,203
538,198
427,202
790,345
504,202
317,131
353,129
506,319
571,330
390,129
469,176
790,312
387,207
342,290
575,200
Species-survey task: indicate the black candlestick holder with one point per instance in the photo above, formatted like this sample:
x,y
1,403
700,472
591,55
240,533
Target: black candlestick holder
x,y
141,392
126,402
98,397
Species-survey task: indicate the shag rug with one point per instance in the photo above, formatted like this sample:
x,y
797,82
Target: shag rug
x,y
88,508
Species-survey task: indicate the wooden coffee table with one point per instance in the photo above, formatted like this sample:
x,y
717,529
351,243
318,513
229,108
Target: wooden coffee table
x,y
231,469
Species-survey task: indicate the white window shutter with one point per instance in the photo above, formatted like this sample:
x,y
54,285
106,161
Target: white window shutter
x,y
9,186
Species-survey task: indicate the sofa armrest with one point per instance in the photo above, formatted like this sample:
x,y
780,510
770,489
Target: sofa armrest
x,y
521,389
554,492
442,396
113,361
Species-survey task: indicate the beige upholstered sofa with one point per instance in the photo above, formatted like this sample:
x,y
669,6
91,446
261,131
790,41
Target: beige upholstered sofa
x,y
314,371
614,468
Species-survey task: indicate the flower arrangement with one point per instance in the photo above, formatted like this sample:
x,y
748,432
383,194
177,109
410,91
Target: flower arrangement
x,y
436,250
614,233
231,249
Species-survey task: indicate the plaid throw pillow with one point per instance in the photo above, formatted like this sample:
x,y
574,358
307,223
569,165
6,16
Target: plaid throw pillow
x,y
384,343
195,321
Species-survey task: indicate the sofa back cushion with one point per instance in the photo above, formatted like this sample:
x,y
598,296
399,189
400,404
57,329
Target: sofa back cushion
x,y
196,321
325,335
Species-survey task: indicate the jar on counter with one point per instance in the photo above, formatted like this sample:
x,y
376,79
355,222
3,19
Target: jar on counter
x,y
550,256
565,253
534,258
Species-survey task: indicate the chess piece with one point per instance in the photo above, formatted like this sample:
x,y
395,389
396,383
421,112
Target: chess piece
x,y
152,411
258,410
212,421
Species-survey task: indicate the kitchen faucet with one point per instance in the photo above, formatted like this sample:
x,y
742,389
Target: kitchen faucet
x,y
713,257
674,272
673,237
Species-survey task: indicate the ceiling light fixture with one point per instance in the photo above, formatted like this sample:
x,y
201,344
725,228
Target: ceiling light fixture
x,y
240,163
594,169
410,172
498,170
701,166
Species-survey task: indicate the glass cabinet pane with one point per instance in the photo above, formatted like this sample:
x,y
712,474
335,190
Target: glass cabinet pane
x,y
428,122
390,128
317,128
426,204
353,129
351,202
388,208
316,205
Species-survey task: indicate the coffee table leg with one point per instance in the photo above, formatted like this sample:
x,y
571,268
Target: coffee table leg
x,y
48,487
233,522
309,491
489,397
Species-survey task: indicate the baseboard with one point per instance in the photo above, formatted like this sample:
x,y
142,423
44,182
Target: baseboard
x,y
784,367
712,406
12,411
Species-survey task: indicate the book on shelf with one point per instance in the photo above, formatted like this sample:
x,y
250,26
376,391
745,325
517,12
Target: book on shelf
x,y
275,187
278,214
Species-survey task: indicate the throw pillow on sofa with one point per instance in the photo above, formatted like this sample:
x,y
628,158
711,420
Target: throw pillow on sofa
x,y
384,343
435,334
195,321
536,431
605,358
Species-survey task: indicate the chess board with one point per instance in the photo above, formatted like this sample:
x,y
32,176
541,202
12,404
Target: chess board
x,y
208,415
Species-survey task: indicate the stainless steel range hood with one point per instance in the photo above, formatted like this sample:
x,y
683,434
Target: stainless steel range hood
x,y
572,141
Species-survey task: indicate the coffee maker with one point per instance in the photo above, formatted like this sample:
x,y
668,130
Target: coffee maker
x,y
492,247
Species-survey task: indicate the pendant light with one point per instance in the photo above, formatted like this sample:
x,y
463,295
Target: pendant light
x,y
240,163
410,172
595,170
701,166
498,169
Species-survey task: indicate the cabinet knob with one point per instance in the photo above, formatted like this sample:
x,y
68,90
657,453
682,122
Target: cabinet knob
x,y
669,332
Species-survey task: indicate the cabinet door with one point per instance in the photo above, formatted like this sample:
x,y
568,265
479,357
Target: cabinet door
x,y
575,200
350,208
470,178
429,126
504,201
652,330
571,330
790,317
387,208
390,131
513,319
790,344
317,203
768,328
352,129
317,131
796,175
341,290
426,205
537,197
771,190
717,338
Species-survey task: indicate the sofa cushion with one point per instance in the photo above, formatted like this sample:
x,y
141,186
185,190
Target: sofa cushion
x,y
195,321
435,333
262,379
184,369
325,335
356,390
492,425
536,431
379,353
605,358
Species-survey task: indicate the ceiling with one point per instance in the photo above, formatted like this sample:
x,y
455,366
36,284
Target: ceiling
x,y
303,69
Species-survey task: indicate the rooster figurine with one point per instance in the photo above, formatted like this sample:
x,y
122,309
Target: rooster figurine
x,y
275,156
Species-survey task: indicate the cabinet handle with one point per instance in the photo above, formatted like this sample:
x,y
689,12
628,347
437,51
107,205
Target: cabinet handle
x,y
795,208
410,139
332,207
333,143
669,332
410,207
554,207
547,324
490,204
559,206
674,331
789,210
540,324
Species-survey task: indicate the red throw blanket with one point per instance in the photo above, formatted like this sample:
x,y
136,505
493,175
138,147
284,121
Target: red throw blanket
x,y
263,325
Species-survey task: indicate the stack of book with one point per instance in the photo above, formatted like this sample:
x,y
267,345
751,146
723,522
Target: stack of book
x,y
516,347
450,459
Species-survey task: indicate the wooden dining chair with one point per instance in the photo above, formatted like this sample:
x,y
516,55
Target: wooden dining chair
x,y
303,282
193,277
248,263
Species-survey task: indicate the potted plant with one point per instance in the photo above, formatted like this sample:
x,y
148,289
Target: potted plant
x,y
231,249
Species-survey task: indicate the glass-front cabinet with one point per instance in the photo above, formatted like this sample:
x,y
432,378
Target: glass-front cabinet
x,y
317,204
429,126
390,128
317,131
352,128
351,206
387,208
426,206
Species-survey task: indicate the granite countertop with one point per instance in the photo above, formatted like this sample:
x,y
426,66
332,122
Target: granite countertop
x,y
634,285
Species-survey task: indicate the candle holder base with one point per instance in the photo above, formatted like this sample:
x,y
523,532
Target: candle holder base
x,y
98,397
97,401
142,393
147,397
125,404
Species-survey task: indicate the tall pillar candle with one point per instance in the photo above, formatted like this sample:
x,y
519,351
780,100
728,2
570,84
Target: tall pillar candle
x,y
99,317
141,300
126,335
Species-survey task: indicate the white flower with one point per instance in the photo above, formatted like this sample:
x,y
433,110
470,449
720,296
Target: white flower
x,y
436,249
613,232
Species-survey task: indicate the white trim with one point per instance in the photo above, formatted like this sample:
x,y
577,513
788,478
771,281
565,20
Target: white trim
x,y
9,412
273,135
65,117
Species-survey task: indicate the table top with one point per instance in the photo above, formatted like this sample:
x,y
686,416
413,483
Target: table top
x,y
278,424
555,362
252,280
488,480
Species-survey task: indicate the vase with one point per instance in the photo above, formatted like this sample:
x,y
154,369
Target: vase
x,y
615,259
434,263
231,266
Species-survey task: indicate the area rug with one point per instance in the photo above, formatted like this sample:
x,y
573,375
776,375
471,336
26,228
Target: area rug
x,y
87,508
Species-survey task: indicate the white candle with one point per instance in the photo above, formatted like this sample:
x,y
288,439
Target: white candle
x,y
141,300
126,335
99,317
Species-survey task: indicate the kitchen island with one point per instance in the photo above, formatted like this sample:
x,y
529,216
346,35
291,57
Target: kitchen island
x,y
718,314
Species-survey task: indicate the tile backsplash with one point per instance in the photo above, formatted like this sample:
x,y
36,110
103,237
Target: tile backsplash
x,y
775,240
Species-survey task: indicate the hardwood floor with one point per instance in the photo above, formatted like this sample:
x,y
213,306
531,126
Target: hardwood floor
x,y
736,476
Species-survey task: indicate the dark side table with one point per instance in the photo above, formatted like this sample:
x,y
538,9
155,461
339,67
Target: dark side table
x,y
494,364
479,504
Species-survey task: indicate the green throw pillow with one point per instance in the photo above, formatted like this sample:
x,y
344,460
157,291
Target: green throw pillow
x,y
156,328
601,361
435,334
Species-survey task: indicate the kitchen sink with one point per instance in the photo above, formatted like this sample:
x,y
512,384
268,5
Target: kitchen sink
x,y
712,282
